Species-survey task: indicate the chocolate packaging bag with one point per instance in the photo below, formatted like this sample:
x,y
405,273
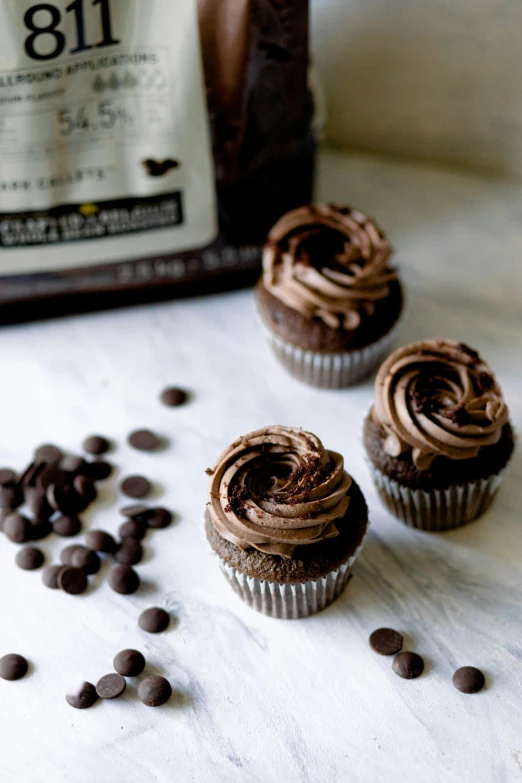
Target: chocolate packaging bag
x,y
146,146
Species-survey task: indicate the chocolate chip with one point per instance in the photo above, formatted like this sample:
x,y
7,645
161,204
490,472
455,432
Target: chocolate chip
x,y
36,499
158,517
50,576
17,528
145,440
135,510
13,667
87,560
39,529
129,663
124,579
7,476
10,496
29,558
408,665
133,528
52,475
386,641
72,464
99,470
154,620
67,526
129,552
100,541
110,686
73,580
136,486
31,473
468,679
67,553
65,499
85,488
96,444
154,691
84,697
173,397
48,453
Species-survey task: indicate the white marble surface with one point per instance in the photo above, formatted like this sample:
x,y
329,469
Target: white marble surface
x,y
261,699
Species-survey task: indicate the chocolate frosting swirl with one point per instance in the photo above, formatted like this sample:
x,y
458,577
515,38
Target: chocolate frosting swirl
x,y
438,398
278,488
328,262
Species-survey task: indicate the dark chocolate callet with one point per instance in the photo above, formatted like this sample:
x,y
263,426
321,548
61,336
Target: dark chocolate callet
x,y
29,558
135,510
133,528
468,679
386,641
85,488
99,470
154,691
48,453
71,463
87,560
158,517
408,665
129,663
66,555
73,580
7,476
136,486
96,444
100,541
129,552
39,529
36,499
17,528
67,525
124,579
13,667
110,686
154,620
84,697
145,440
10,496
50,576
173,397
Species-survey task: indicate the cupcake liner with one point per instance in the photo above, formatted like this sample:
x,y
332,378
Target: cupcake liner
x,y
436,509
289,601
330,370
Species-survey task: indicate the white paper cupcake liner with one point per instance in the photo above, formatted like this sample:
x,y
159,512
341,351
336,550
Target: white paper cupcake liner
x,y
330,370
289,601
437,509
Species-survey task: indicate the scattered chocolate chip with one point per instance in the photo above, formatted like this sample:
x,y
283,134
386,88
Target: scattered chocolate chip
x,y
72,464
65,499
85,488
7,476
67,526
99,470
10,496
87,560
136,510
136,486
73,580
145,440
134,528
129,663
39,529
124,579
386,641
67,553
468,679
29,558
17,528
96,444
84,697
129,552
36,499
154,620
408,665
52,474
154,691
173,397
460,416
50,576
158,517
48,453
100,541
110,686
30,474
13,667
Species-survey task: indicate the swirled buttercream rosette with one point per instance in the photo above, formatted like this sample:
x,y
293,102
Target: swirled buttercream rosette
x,y
437,399
278,491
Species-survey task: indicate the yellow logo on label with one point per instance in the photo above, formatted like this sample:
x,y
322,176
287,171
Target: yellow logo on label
x,y
89,209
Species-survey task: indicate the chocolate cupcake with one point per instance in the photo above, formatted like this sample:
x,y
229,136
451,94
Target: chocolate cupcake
x,y
328,297
438,435
285,521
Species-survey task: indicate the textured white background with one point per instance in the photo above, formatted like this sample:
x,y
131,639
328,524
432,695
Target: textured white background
x,y
260,699
437,79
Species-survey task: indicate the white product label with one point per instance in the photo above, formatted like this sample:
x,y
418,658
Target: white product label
x,y
104,140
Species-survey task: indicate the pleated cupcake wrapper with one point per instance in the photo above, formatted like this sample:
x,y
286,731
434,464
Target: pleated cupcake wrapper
x,y
289,601
437,509
329,370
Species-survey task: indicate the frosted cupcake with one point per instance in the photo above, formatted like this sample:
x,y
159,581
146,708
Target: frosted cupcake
x,y
328,298
438,435
285,521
